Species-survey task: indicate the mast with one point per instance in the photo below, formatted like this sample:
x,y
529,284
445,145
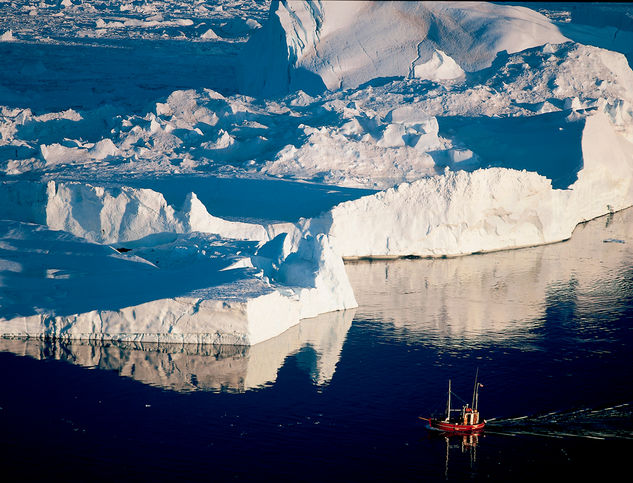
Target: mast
x,y
475,392
448,405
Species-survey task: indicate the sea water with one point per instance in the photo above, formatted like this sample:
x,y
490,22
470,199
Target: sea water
x,y
549,328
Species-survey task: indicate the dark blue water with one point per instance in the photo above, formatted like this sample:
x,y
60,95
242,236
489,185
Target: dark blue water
x,y
550,329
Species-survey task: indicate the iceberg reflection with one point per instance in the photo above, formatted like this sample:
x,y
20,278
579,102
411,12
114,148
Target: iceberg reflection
x,y
504,296
204,367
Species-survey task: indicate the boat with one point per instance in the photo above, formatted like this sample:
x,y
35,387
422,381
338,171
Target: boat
x,y
467,420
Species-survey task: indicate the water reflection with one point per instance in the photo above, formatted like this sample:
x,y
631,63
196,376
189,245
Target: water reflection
x,y
505,296
190,367
467,443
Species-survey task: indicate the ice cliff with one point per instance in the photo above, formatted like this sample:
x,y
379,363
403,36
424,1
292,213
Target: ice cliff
x,y
460,213
175,275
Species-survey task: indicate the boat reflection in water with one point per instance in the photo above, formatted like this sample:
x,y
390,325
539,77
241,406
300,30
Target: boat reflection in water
x,y
191,367
502,297
466,442
458,446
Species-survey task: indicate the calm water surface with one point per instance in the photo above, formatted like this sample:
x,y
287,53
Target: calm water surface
x,y
338,397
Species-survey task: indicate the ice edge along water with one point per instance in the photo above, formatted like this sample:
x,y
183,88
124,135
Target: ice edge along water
x,y
294,271
299,266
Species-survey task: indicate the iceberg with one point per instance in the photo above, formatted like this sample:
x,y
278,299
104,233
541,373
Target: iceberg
x,y
224,217
314,46
162,287
458,213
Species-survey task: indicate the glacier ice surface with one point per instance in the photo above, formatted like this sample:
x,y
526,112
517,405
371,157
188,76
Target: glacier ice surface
x,y
207,215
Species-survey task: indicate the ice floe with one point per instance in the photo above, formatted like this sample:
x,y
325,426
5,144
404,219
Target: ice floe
x,y
207,215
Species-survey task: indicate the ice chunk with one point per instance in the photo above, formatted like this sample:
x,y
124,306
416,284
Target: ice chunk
x,y
436,66
209,35
7,36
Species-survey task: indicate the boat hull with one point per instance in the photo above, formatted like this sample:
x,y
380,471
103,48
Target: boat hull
x,y
455,427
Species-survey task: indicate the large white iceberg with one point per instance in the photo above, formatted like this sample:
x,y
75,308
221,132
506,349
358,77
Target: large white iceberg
x,y
316,45
217,282
489,209
195,288
469,128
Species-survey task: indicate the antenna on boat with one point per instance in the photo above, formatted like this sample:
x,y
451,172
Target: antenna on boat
x,y
448,405
475,392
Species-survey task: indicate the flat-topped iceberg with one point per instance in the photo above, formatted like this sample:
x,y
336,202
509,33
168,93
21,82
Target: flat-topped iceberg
x,y
193,288
376,130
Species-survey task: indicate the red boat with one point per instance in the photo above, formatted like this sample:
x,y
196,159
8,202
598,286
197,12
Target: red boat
x,y
468,419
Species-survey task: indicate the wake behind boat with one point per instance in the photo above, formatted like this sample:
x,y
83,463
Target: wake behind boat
x,y
467,420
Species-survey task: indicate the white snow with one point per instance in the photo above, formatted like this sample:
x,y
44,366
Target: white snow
x,y
489,209
317,45
7,36
407,129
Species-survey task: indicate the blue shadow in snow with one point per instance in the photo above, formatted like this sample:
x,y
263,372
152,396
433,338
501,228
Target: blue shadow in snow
x,y
548,144
255,200
53,271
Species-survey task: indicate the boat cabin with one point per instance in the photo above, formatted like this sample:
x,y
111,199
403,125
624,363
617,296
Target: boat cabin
x,y
470,417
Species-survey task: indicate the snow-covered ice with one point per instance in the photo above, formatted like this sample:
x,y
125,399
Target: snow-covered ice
x,y
208,188
317,45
